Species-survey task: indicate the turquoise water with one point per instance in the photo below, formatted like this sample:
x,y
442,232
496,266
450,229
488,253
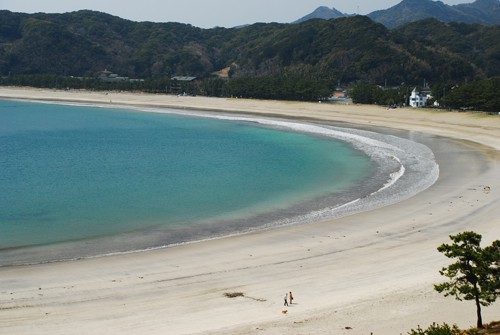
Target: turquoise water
x,y
72,173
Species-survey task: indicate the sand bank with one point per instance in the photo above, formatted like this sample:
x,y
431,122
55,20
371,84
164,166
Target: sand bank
x,y
372,272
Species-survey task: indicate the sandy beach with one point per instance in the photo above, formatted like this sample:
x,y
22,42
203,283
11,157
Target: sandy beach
x,y
372,272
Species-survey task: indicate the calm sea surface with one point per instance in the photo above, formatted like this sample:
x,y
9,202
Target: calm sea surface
x,y
71,173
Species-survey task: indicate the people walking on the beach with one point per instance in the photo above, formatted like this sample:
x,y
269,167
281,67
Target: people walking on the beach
x,y
286,300
291,297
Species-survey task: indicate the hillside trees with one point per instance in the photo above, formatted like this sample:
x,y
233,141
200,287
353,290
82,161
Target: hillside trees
x,y
469,44
35,52
313,53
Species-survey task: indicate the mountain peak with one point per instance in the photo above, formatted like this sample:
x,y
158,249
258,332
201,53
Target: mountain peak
x,y
479,11
324,13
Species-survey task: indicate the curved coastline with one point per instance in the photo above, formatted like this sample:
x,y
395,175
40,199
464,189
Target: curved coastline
x,y
405,168
372,271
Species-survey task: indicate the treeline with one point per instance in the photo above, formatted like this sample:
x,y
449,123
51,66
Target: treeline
x,y
366,93
274,88
480,95
277,88
483,95
53,81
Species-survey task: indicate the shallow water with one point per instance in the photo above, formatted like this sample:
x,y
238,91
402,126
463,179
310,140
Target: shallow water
x,y
95,175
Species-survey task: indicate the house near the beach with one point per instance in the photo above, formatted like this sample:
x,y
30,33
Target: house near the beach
x,y
417,99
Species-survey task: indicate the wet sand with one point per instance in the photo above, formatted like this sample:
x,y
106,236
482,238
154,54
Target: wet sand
x,y
372,271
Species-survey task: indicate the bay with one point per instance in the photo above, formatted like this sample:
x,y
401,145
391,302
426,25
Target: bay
x,y
72,173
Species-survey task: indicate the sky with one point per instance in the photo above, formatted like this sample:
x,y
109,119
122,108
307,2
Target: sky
x,y
205,13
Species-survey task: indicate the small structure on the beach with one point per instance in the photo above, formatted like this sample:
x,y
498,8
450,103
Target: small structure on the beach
x,y
179,84
186,79
340,96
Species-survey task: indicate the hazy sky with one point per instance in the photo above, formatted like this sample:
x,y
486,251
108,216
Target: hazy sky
x,y
204,13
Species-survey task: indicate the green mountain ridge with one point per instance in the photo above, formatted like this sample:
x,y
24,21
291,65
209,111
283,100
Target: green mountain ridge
x,y
347,49
480,11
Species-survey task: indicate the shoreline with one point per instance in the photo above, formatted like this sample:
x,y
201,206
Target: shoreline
x,y
371,271
404,169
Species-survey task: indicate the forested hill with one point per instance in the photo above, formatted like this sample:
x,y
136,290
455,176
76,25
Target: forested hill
x,y
480,12
347,49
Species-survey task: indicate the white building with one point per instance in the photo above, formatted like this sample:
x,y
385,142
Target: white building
x,y
417,100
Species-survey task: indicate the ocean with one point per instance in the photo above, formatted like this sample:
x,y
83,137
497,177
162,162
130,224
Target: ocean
x,y
82,181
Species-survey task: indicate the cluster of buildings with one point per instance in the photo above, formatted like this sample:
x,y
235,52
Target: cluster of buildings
x,y
110,77
417,98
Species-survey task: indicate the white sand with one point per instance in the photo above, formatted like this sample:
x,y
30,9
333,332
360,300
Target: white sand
x,y
372,272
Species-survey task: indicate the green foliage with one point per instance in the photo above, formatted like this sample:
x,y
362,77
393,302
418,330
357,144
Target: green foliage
x,y
474,276
443,329
478,95
154,85
269,61
278,88
440,90
213,87
435,329
259,88
491,255
365,93
347,49
466,45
